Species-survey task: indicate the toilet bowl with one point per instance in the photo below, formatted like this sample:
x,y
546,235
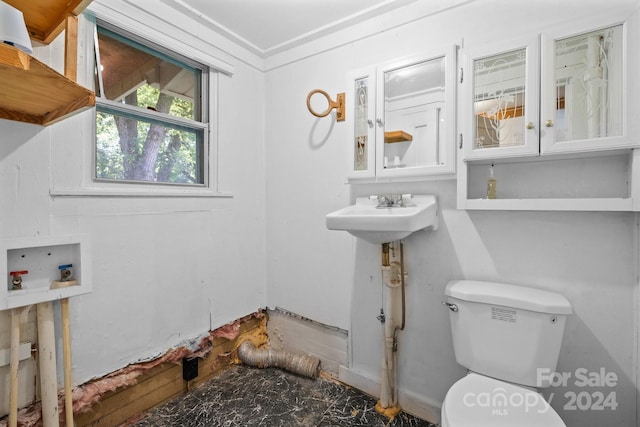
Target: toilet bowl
x,y
504,335
479,401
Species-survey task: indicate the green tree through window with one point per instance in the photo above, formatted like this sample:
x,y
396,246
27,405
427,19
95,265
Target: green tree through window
x,y
147,123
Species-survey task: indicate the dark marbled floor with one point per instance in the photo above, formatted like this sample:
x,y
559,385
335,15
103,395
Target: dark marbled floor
x,y
243,396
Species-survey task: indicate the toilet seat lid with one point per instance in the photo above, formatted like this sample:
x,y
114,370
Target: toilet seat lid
x,y
480,401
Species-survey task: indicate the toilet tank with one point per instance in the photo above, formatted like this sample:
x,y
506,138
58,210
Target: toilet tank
x,y
505,331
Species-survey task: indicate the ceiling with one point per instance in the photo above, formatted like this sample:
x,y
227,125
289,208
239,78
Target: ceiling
x,y
270,26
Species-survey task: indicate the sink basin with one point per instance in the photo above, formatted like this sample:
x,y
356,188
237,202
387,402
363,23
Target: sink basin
x,y
379,225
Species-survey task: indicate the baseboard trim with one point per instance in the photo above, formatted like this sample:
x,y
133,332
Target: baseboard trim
x,y
291,332
411,403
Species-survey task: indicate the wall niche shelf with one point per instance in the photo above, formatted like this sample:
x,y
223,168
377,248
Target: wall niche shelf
x,y
34,92
597,182
41,258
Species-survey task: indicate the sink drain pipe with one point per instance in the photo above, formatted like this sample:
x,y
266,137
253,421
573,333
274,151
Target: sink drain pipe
x,y
392,319
307,366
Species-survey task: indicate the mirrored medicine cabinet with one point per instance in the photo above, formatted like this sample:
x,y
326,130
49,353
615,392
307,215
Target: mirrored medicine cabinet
x,y
402,116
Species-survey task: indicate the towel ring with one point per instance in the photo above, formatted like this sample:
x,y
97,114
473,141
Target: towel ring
x,y
338,104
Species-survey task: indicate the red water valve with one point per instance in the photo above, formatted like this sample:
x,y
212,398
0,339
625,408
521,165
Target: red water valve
x,y
16,278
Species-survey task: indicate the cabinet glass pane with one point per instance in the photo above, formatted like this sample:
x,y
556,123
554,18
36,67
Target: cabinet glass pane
x,y
499,100
588,76
414,102
361,124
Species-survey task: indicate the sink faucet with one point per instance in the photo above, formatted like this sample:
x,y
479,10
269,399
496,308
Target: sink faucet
x,y
390,200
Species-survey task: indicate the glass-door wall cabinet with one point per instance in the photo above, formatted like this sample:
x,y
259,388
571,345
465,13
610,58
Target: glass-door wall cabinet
x,y
500,99
584,78
586,85
553,118
403,122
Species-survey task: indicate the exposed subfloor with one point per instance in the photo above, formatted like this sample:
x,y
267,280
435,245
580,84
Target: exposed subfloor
x,y
244,396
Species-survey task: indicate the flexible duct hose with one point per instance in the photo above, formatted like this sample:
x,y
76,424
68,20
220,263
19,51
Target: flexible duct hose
x,y
307,366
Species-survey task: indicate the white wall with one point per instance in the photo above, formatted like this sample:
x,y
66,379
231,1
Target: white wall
x,y
331,277
169,269
166,270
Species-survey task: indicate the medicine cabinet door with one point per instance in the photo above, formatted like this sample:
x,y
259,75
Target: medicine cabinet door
x,y
500,102
414,125
588,83
361,86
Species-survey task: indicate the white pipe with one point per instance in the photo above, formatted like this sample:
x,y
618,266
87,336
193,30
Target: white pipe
x,y
17,317
392,278
66,343
66,347
387,370
394,379
390,328
47,358
15,360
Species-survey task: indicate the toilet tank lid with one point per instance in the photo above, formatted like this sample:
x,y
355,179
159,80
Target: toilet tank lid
x,y
508,295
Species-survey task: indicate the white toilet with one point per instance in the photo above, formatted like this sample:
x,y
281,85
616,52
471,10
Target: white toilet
x,y
509,338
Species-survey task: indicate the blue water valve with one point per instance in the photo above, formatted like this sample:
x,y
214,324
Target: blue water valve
x,y
65,272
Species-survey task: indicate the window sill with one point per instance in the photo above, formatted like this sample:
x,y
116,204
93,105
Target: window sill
x,y
118,192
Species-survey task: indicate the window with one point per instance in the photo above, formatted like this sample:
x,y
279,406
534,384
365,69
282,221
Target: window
x,y
151,121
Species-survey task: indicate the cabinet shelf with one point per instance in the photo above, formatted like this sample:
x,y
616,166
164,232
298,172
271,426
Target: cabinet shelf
x,y
564,204
31,91
397,136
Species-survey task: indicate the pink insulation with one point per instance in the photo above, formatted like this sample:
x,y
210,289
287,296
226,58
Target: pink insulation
x,y
90,393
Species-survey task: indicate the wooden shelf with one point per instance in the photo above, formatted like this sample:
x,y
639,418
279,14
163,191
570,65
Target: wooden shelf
x,y
397,136
35,93
12,57
45,18
31,91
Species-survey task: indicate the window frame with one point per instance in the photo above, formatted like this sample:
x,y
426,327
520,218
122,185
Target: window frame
x,y
200,123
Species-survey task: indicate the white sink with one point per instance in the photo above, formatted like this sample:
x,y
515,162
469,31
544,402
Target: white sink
x,y
385,224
